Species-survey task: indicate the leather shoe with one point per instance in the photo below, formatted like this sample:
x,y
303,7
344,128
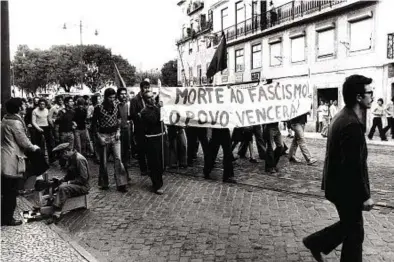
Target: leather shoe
x,y
12,222
208,177
315,253
230,180
122,189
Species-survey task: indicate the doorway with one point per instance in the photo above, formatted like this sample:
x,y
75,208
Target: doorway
x,y
325,95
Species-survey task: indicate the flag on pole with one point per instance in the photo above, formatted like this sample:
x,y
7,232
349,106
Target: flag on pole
x,y
219,60
119,82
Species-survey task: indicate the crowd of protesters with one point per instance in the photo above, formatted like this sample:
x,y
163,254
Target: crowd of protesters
x,y
124,127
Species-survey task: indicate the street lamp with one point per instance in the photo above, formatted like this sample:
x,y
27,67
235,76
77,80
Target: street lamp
x,y
80,40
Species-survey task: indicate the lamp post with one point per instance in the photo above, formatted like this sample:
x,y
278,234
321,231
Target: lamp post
x,y
80,40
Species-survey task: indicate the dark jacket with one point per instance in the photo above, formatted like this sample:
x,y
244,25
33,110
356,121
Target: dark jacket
x,y
345,174
136,106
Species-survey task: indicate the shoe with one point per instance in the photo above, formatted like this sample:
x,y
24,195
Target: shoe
x,y
145,173
159,191
276,169
270,170
385,139
104,187
315,253
294,160
370,137
208,177
311,162
230,180
12,222
122,189
252,160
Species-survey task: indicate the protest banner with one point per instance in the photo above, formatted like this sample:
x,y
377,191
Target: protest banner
x,y
236,106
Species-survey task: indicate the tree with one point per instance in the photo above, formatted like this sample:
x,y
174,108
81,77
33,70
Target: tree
x,y
169,73
66,66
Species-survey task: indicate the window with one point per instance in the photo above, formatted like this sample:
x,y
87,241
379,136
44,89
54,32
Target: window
x,y
298,49
276,54
240,17
360,35
326,43
256,56
239,60
225,18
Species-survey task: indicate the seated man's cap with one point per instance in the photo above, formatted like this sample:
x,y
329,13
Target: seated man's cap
x,y
61,147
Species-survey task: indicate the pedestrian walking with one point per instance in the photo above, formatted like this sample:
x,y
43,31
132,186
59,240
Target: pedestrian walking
x,y
273,136
345,175
41,124
137,103
66,123
390,117
14,145
298,125
325,114
378,113
105,126
124,112
52,116
196,136
220,138
153,130
83,143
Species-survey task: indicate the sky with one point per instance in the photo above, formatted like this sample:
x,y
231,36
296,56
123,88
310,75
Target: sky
x,y
142,31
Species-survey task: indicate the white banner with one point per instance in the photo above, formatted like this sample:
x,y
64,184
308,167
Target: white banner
x,y
237,106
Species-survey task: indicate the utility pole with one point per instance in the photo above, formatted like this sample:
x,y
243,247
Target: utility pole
x,y
80,38
5,56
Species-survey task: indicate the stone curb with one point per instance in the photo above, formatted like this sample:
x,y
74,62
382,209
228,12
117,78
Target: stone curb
x,y
369,142
63,235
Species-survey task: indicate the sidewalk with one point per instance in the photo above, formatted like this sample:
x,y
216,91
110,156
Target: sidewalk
x,y
376,140
36,241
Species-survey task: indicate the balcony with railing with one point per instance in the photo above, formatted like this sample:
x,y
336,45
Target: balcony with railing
x,y
280,15
203,27
194,7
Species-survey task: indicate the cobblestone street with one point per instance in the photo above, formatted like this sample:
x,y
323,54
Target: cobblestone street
x,y
199,220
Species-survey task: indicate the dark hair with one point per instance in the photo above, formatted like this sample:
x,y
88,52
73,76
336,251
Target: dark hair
x,y
13,105
109,92
24,100
354,85
67,99
144,95
58,98
43,100
143,84
80,101
95,99
30,100
381,100
86,97
120,89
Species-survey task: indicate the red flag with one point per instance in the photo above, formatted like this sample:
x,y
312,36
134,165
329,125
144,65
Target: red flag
x,y
119,82
219,60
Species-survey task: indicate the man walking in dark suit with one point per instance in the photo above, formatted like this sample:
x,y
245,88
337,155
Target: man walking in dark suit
x,y
345,175
136,106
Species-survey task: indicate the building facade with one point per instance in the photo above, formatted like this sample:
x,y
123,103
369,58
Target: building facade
x,y
322,42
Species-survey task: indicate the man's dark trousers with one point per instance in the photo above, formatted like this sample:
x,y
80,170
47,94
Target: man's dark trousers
x,y
220,137
193,135
155,160
389,126
349,231
141,150
125,145
9,191
272,134
258,134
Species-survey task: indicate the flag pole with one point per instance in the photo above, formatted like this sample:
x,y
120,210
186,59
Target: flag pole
x,y
162,131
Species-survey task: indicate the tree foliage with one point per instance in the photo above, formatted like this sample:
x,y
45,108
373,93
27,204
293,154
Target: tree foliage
x,y
66,66
169,73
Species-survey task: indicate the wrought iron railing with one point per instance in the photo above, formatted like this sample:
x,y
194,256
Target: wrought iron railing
x,y
279,15
202,28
